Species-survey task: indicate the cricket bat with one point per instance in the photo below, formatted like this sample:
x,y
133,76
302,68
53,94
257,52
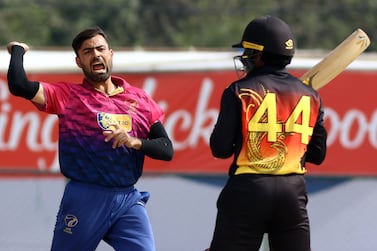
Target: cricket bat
x,y
336,60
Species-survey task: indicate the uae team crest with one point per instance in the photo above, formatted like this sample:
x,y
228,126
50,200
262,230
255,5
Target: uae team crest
x,y
106,120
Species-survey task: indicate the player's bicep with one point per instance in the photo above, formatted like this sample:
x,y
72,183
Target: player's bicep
x,y
39,97
317,147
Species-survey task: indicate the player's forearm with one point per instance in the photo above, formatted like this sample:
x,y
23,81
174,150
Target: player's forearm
x,y
160,148
18,83
158,145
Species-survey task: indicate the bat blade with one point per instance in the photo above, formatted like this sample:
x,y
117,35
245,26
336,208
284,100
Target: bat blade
x,y
336,60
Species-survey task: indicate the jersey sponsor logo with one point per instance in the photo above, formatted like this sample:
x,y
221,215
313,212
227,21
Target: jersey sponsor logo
x,y
105,121
70,221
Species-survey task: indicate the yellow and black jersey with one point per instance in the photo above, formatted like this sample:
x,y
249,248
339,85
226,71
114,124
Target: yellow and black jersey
x,y
271,123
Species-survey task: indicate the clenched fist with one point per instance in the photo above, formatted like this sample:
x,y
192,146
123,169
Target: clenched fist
x,y
11,44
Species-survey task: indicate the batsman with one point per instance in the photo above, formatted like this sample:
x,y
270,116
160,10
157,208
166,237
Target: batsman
x,y
271,124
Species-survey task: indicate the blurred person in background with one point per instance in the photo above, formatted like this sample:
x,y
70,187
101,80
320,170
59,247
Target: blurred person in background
x,y
106,127
271,124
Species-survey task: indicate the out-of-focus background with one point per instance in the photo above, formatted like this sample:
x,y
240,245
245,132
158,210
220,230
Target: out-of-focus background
x,y
179,52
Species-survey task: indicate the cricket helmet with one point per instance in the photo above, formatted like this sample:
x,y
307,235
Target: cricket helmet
x,y
268,34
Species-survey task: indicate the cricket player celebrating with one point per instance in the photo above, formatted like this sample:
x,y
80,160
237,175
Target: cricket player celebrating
x,y
106,127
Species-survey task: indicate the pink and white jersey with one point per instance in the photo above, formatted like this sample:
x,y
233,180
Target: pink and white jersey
x,y
83,115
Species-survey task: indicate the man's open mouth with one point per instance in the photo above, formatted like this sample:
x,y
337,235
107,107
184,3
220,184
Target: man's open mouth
x,y
98,67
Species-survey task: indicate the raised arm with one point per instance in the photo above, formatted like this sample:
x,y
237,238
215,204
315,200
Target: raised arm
x,y
18,83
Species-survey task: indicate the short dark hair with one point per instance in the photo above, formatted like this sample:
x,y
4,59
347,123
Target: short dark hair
x,y
84,35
